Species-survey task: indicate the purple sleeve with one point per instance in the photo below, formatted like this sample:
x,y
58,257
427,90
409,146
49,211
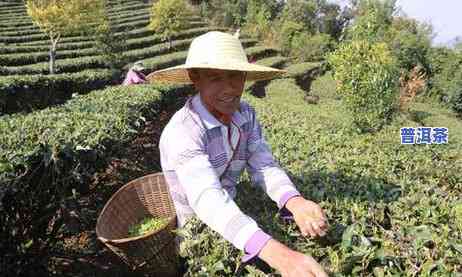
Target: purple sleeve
x,y
258,240
254,245
283,211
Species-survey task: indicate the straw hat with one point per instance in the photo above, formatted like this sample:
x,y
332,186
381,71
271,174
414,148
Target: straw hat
x,y
215,50
138,66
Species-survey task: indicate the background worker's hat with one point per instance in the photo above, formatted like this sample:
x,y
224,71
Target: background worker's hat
x,y
138,66
215,50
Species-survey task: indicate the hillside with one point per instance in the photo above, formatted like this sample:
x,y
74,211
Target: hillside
x,y
391,207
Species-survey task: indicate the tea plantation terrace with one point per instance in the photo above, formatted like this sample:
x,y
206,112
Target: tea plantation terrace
x,y
25,84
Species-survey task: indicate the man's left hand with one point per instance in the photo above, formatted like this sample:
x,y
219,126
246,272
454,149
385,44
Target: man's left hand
x,y
308,215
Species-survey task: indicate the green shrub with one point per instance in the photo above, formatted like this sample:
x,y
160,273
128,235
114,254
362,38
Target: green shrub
x,y
301,12
301,69
168,17
42,38
307,47
259,52
287,32
261,22
227,14
258,21
207,253
30,49
367,77
276,61
446,73
410,42
373,20
456,101
25,93
235,13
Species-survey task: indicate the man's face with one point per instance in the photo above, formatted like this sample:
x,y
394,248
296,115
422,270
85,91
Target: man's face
x,y
219,89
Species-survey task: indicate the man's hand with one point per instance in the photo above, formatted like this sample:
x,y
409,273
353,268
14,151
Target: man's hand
x,y
308,215
290,263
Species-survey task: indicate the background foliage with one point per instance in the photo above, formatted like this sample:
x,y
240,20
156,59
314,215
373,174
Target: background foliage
x,y
367,78
168,17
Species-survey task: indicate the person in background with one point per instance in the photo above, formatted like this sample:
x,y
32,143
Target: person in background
x,y
210,141
237,33
135,75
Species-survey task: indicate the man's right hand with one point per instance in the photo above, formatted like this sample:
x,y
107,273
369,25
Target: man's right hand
x,y
290,263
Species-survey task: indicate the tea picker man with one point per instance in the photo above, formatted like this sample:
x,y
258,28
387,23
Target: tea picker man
x,y
213,138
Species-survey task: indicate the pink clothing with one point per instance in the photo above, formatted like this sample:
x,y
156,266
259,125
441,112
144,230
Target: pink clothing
x,y
134,78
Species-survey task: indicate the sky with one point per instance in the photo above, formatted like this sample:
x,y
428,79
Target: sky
x,y
444,15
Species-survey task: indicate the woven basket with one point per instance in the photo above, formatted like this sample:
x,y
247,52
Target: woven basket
x,y
154,252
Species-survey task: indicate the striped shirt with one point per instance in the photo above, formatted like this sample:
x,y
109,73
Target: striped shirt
x,y
202,160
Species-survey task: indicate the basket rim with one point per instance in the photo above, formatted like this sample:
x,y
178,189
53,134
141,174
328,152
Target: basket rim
x,y
171,221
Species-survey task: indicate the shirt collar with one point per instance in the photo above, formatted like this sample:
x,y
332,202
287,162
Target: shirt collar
x,y
209,120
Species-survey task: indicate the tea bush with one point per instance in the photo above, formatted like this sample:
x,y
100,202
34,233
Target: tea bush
x,y
367,78
168,17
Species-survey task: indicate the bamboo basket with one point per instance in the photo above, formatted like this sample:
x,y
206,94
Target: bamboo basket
x,y
154,253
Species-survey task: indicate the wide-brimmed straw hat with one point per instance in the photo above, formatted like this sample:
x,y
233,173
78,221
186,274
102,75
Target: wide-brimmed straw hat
x,y
215,50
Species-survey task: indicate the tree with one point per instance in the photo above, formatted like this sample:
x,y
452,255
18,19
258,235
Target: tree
x,y
60,18
168,17
373,19
317,16
332,19
410,42
301,11
446,70
457,43
111,43
271,7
